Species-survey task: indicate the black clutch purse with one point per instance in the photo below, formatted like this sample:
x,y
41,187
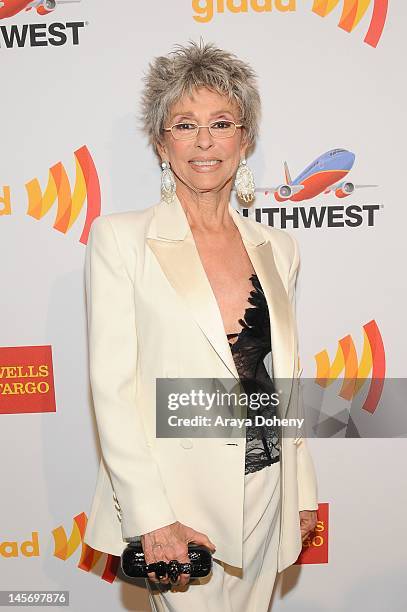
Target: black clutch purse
x,y
134,565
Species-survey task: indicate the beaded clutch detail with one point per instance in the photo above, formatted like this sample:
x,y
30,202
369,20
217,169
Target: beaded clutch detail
x,y
134,564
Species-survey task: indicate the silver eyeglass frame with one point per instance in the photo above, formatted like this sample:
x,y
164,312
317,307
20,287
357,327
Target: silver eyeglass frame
x,y
237,125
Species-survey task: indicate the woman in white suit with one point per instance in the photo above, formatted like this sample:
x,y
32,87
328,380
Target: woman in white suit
x,y
189,288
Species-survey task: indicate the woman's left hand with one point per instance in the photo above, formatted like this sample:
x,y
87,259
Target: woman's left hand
x,y
308,521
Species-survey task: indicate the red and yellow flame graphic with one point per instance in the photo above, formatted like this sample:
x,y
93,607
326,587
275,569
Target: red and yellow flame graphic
x,y
355,374
69,203
64,547
352,13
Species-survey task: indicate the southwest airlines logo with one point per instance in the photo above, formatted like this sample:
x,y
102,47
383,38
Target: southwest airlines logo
x,y
69,201
352,12
355,374
45,34
326,175
9,8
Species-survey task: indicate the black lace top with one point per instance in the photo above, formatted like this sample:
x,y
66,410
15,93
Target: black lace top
x,y
249,350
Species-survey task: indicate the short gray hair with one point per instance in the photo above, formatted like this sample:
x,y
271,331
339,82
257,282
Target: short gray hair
x,y
195,65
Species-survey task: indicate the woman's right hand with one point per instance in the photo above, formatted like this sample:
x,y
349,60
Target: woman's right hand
x,y
171,542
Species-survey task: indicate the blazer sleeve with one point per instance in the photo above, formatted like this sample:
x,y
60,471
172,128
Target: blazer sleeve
x,y
112,341
306,477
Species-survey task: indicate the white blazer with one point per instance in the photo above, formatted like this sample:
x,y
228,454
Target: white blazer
x,y
152,314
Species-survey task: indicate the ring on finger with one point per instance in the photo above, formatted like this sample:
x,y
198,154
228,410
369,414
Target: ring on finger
x,y
160,570
173,570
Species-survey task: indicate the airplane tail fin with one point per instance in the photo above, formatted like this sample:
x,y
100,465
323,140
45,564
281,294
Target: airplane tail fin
x,y
287,174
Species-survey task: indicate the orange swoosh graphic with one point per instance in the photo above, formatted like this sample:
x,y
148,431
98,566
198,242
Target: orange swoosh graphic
x,y
64,547
69,204
90,557
352,13
377,23
355,374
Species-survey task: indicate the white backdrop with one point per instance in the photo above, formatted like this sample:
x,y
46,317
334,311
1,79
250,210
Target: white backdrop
x,y
322,88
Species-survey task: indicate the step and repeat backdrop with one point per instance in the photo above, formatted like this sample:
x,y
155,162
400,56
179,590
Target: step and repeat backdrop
x,y
330,165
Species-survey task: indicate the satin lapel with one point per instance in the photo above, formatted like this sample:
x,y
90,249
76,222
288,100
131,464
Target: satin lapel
x,y
281,323
281,328
172,243
182,266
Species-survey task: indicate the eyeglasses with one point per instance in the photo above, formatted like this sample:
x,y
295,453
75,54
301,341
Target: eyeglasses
x,y
187,130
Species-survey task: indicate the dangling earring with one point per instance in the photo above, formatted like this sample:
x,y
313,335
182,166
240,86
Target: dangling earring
x,y
244,182
168,184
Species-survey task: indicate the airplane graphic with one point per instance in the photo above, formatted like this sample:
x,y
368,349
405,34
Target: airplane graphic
x,y
324,175
9,8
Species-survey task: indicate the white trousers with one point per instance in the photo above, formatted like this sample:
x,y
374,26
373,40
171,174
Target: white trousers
x,y
228,588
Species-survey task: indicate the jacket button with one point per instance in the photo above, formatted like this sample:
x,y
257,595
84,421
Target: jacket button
x,y
186,443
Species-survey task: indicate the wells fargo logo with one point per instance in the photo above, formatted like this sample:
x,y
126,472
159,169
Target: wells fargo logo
x,y
26,380
355,373
352,12
315,546
69,201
